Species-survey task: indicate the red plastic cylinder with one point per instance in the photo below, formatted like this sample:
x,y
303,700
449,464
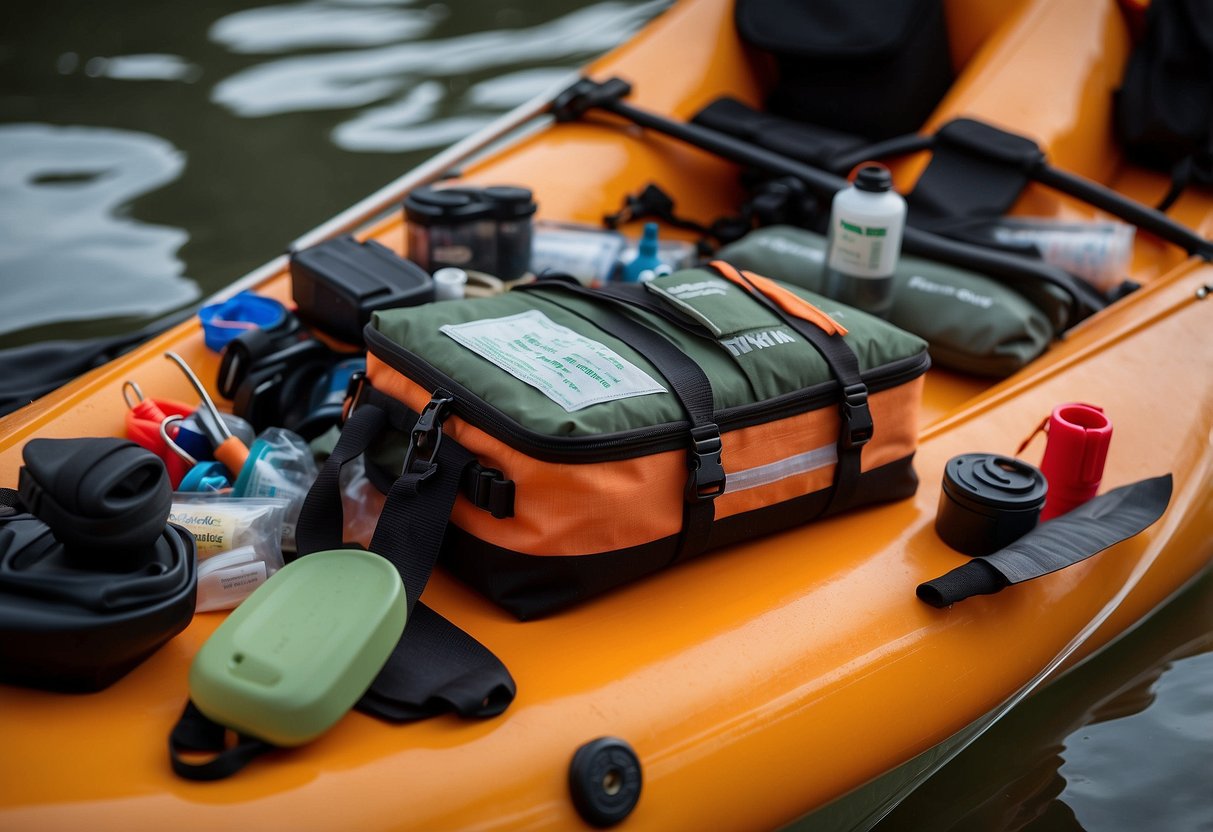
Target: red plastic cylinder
x,y
1079,436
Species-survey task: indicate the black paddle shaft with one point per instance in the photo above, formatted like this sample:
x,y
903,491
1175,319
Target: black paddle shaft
x,y
586,95
1084,300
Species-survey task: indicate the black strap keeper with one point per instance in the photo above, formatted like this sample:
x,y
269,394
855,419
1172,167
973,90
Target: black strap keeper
x,y
488,489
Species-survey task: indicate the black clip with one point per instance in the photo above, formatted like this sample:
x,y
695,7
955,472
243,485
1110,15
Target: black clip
x,y
353,392
426,436
707,473
857,427
585,95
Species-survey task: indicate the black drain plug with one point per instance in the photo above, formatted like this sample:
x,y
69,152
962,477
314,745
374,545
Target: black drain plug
x,y
604,780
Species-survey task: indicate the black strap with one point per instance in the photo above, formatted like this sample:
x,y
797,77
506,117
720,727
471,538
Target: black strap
x,y
436,667
855,416
484,487
196,732
691,387
1073,537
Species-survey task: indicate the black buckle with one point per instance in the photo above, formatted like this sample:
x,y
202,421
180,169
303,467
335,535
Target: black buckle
x,y
857,427
353,392
586,94
707,478
426,436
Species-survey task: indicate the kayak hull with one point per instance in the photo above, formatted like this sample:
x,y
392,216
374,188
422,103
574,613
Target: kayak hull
x,y
755,683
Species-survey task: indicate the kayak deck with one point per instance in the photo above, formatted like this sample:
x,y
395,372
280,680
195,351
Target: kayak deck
x,y
755,683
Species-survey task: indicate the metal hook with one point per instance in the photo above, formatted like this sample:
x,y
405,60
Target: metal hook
x,y
129,387
220,427
172,444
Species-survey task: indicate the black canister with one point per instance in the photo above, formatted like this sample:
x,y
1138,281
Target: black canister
x,y
475,229
988,501
513,210
451,227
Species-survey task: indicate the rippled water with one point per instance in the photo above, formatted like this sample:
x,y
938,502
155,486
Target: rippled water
x,y
149,158
153,152
1124,742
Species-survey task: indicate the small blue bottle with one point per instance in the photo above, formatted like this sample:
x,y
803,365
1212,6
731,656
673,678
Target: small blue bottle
x,y
646,259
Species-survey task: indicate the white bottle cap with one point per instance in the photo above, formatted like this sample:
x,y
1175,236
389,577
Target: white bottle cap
x,y
449,283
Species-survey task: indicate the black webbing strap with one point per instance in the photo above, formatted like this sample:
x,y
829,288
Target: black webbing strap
x,y
1063,541
689,384
196,732
855,417
436,667
484,487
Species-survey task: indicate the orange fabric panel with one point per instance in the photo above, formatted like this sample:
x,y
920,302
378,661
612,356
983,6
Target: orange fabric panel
x,y
560,508
576,509
894,414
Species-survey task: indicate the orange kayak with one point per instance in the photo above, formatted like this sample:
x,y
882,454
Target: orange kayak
x,y
759,683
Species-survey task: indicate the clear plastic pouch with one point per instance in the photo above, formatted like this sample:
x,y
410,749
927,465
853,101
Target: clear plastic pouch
x,y
280,464
239,542
1098,252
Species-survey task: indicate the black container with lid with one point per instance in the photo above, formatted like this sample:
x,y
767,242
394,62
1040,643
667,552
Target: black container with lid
x,y
337,284
479,229
988,501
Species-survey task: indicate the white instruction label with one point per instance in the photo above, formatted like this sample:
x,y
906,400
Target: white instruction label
x,y
568,368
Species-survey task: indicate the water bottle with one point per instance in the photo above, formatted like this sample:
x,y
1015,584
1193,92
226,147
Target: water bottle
x,y
866,224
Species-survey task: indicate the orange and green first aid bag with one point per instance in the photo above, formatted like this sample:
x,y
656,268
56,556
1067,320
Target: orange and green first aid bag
x,y
555,441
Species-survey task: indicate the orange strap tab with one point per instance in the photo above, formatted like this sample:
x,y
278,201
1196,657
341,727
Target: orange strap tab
x,y
788,301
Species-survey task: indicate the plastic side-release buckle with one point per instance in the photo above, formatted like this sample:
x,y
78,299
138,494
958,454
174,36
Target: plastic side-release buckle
x,y
353,392
857,426
707,478
426,436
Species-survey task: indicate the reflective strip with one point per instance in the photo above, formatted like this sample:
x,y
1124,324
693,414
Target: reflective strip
x,y
781,469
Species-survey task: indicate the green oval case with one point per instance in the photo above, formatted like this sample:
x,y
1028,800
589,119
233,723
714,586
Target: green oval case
x,y
301,650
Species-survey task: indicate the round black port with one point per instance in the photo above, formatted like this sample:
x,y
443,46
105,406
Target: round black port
x,y
604,780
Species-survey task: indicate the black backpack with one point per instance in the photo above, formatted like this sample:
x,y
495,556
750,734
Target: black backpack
x,y
1164,108
872,68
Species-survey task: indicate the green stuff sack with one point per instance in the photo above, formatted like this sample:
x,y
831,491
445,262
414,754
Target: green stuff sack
x,y
972,323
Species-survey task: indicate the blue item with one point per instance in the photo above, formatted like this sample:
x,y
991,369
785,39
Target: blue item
x,y
193,442
646,259
221,322
192,437
205,476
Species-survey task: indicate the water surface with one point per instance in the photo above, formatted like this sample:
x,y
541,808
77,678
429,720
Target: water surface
x,y
152,153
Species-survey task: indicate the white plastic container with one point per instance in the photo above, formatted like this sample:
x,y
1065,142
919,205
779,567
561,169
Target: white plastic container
x,y
450,283
866,224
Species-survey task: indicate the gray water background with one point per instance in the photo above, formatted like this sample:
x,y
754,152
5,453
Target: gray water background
x,y
152,152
